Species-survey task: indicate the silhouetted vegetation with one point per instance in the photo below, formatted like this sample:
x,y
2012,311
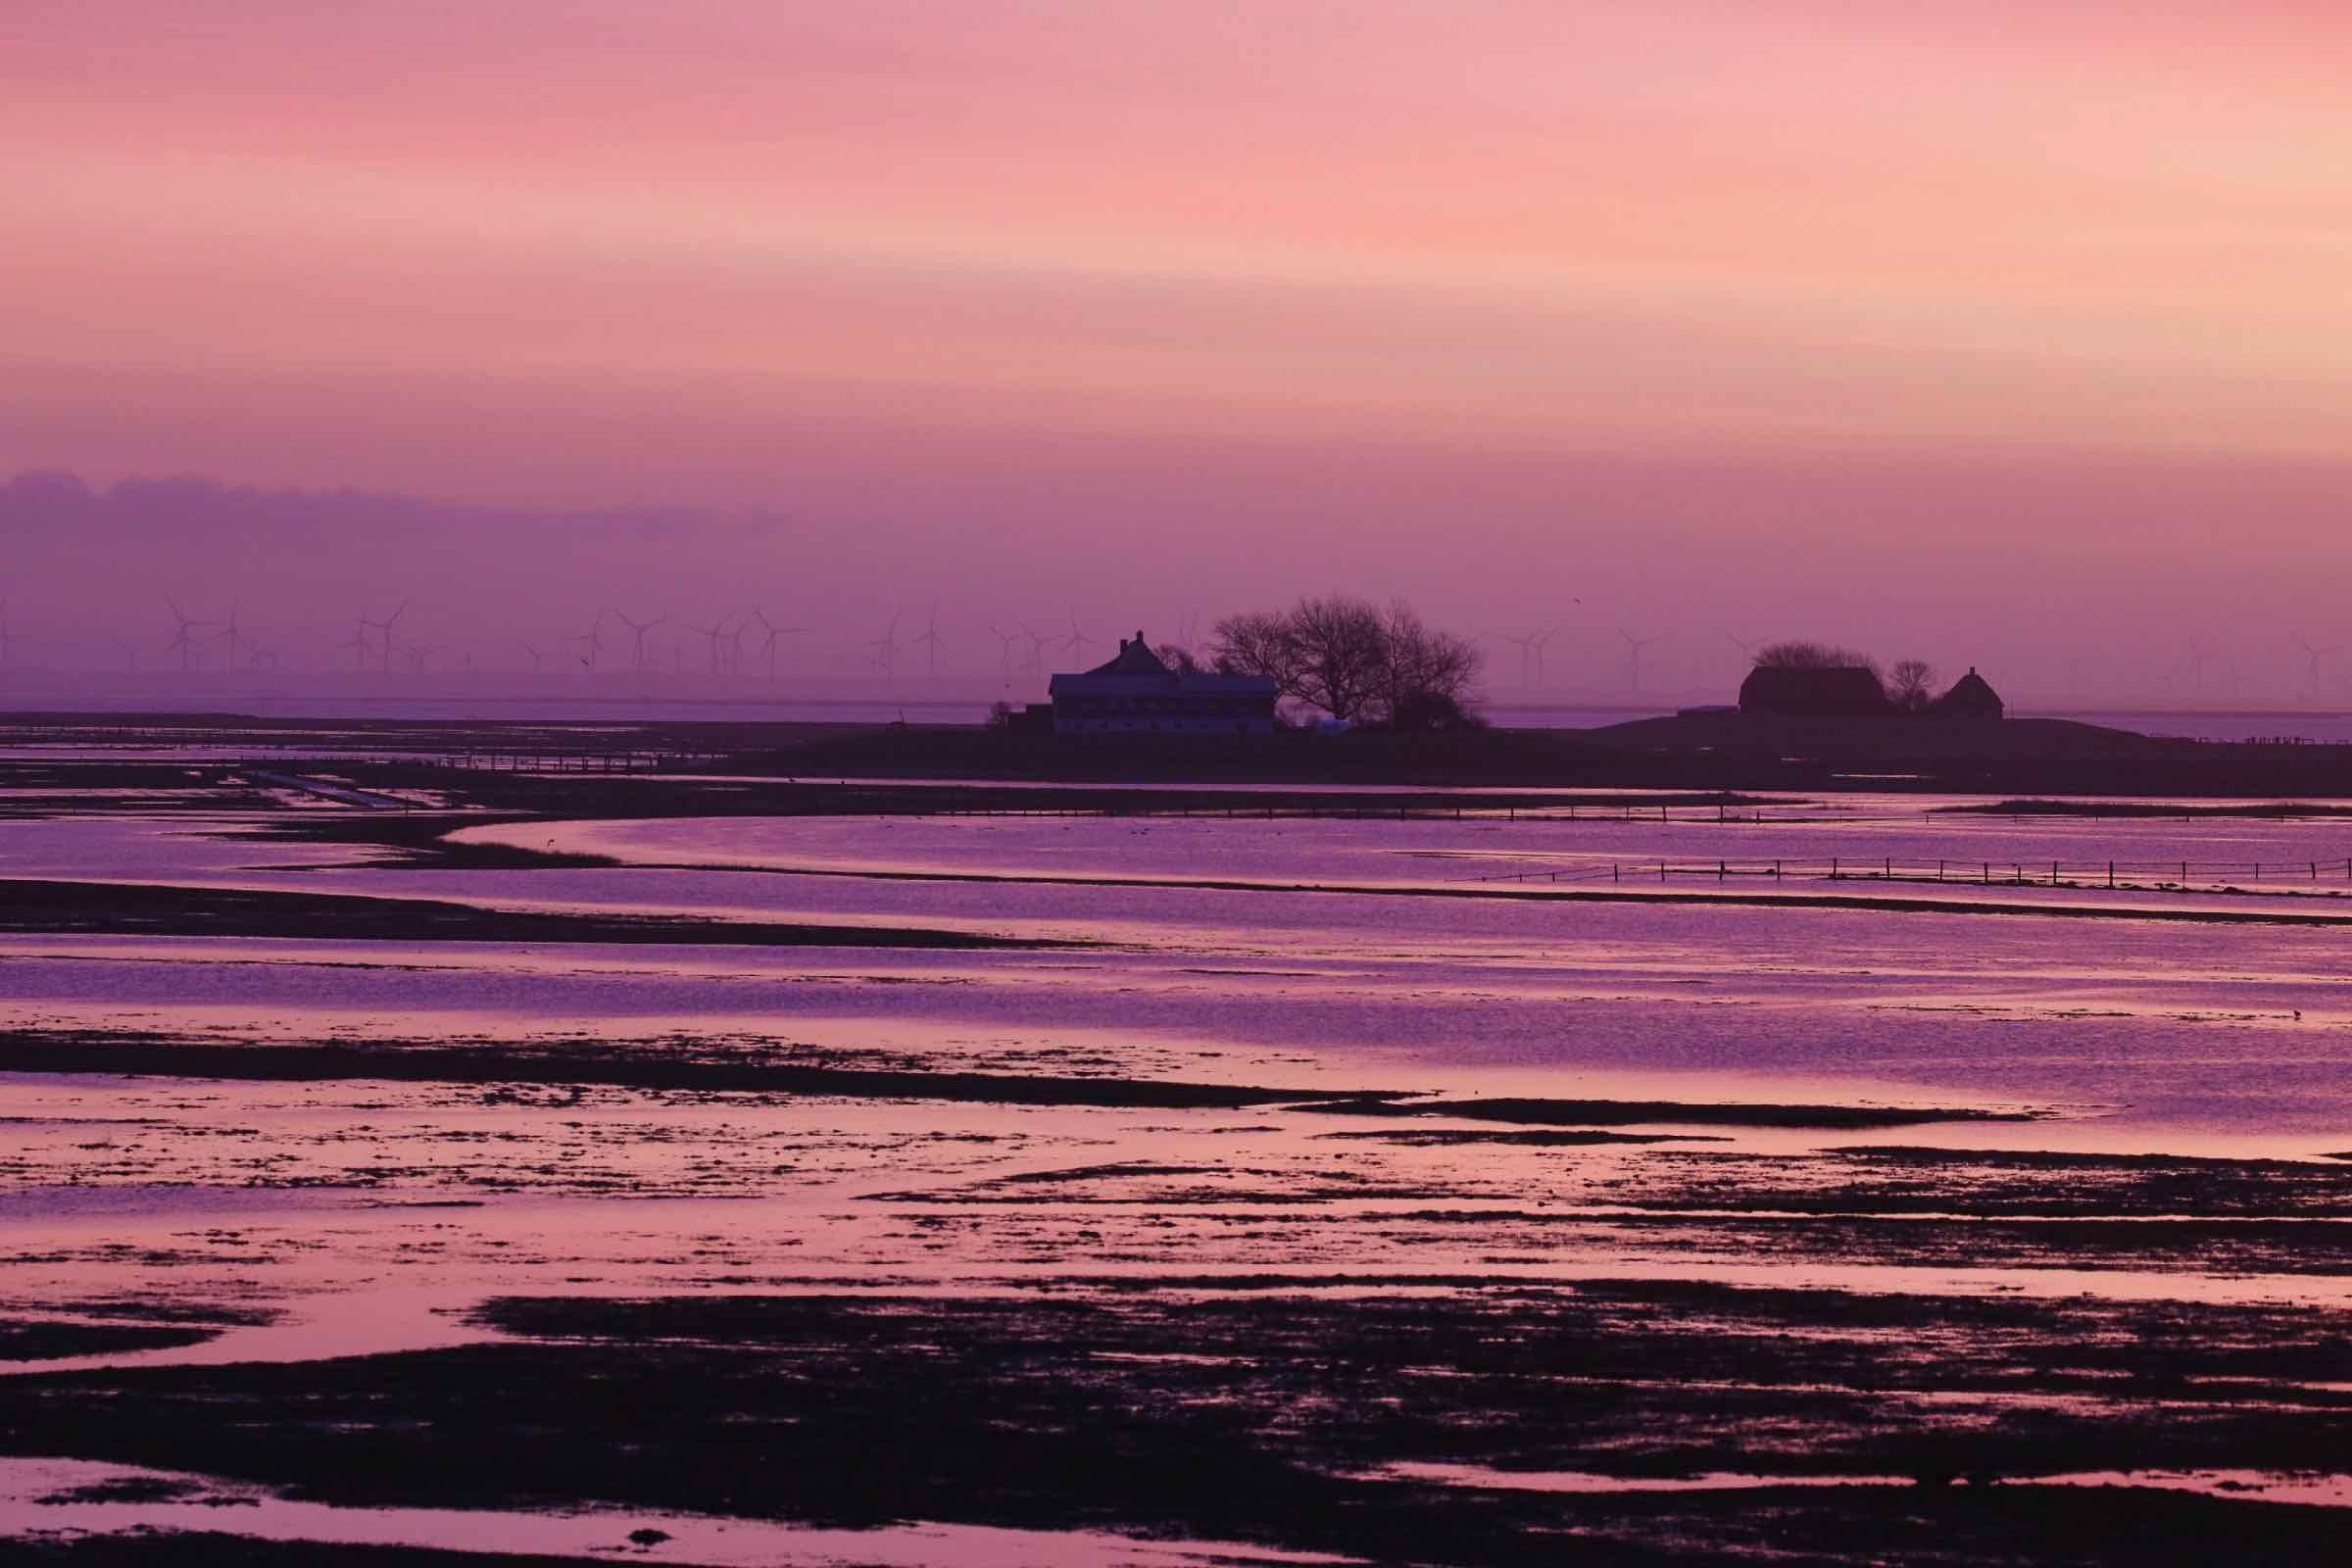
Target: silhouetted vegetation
x,y
1180,659
1911,684
1798,653
1354,660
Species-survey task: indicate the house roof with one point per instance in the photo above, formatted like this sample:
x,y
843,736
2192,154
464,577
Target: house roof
x,y
1139,670
1970,690
1135,658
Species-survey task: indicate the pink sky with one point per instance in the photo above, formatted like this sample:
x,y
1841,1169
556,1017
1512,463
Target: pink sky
x,y
2013,329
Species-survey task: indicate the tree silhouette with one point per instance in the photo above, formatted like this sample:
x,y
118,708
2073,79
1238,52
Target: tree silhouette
x,y
1349,658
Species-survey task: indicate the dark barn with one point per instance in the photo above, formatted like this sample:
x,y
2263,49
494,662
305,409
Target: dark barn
x,y
1971,697
1844,691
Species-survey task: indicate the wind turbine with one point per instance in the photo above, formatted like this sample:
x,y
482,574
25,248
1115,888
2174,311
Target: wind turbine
x,y
183,637
356,645
1633,654
882,650
711,636
383,629
2313,656
2197,655
1542,640
928,640
1531,652
743,624
767,643
638,628
416,654
538,658
1078,642
1037,647
1527,655
1746,645
593,641
1005,642
232,636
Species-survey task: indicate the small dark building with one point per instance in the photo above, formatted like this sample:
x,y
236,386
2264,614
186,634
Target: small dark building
x,y
1971,697
1035,719
1137,694
1844,691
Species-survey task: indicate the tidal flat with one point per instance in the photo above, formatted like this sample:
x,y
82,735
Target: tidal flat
x,y
742,1180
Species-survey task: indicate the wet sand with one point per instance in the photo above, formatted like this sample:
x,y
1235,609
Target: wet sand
x,y
368,1188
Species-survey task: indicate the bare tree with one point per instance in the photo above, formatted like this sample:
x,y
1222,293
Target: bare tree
x,y
1427,674
1349,658
1911,684
1257,643
1180,659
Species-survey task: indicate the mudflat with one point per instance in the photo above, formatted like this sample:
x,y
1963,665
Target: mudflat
x,y
1043,1181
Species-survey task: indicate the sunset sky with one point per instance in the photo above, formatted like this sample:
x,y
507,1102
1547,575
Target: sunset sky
x,y
2008,333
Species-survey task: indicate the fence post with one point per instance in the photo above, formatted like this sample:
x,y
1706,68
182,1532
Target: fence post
x,y
2111,875
1719,870
1614,875
1833,869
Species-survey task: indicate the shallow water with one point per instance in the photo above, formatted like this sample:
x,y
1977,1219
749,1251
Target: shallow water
x,y
60,1495
2104,1109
